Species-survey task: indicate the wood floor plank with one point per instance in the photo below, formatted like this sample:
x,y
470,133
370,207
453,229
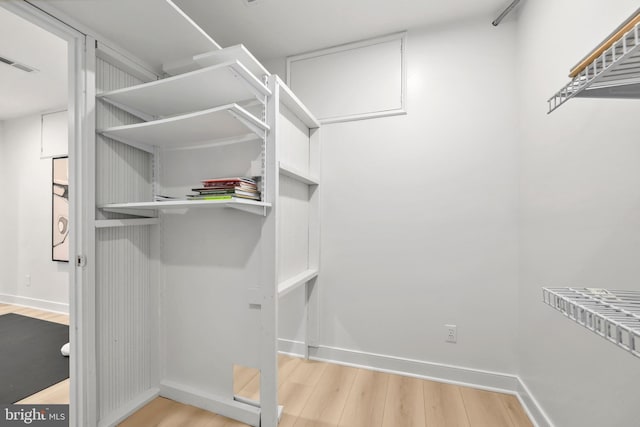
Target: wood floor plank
x,y
286,365
326,404
444,406
308,372
485,408
252,389
409,402
242,375
515,411
404,406
287,420
365,403
35,313
57,394
152,413
293,397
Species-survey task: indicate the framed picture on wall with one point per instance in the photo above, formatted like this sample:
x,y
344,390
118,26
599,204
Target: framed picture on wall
x,y
60,210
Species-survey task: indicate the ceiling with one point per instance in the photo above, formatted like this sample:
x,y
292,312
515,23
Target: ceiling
x,y
25,93
152,31
277,28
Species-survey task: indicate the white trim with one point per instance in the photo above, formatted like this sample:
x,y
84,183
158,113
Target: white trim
x,y
476,378
209,402
291,347
40,304
129,408
402,36
534,410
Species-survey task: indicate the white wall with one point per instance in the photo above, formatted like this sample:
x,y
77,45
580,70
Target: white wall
x,y
419,212
26,221
580,222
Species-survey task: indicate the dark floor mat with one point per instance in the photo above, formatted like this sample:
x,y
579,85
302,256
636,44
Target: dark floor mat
x,y
30,358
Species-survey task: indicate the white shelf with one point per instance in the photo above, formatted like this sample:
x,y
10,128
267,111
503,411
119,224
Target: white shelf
x,y
251,206
108,223
613,74
614,315
293,103
190,130
296,281
298,175
237,52
202,89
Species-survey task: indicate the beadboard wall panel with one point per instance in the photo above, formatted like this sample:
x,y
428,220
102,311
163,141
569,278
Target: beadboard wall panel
x,y
124,316
126,294
123,173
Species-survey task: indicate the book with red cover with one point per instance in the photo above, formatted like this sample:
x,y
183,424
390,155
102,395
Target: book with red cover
x,y
235,181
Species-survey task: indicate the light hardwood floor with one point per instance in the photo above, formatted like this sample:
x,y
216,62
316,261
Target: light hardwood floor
x,y
57,393
318,394
322,394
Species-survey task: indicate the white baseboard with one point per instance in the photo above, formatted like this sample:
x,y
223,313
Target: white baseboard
x,y
293,348
40,304
227,407
476,378
486,380
127,410
533,408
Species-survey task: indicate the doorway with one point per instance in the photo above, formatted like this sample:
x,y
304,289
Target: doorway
x,y
42,78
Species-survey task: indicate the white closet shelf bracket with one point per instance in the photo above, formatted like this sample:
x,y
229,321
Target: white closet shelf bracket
x,y
296,281
612,314
293,173
259,129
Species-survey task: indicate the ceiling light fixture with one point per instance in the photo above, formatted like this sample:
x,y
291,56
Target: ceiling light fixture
x,y
17,65
250,2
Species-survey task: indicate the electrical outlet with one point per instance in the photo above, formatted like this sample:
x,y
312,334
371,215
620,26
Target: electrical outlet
x,y
452,333
27,280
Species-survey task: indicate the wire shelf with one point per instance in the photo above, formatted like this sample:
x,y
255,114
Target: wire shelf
x,y
613,74
614,315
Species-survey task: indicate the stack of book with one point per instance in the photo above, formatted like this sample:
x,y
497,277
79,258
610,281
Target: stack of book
x,y
226,188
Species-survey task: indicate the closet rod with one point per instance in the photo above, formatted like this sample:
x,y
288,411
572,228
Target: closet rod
x,y
505,12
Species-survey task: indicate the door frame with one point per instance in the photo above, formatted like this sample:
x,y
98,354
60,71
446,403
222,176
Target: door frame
x,y
81,100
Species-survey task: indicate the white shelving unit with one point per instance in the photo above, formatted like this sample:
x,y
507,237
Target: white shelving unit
x,y
298,183
614,73
612,70
614,315
190,130
224,83
259,208
223,274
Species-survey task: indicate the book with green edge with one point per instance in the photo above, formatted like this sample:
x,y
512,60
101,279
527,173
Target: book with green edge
x,y
210,197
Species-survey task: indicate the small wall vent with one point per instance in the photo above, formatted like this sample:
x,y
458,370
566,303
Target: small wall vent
x,y
17,65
